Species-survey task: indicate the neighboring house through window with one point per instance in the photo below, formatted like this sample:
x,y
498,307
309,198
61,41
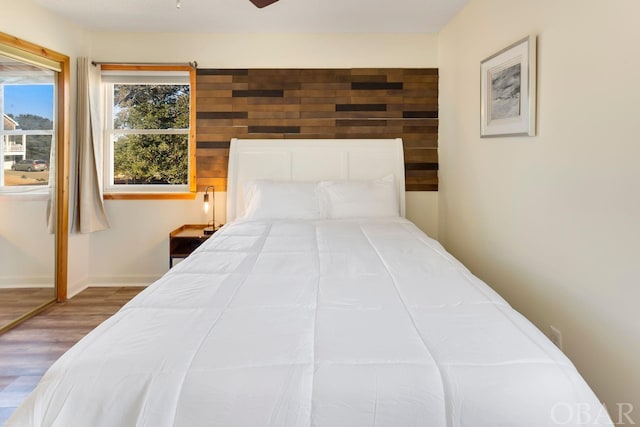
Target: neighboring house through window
x,y
27,131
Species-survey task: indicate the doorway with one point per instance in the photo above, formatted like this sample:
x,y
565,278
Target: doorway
x,y
34,131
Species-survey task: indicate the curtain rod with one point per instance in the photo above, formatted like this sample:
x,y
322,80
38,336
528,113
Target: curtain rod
x,y
193,64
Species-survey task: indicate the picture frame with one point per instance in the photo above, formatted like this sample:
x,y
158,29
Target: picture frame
x,y
508,91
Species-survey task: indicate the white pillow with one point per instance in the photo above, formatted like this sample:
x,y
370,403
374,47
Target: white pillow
x,y
281,200
358,199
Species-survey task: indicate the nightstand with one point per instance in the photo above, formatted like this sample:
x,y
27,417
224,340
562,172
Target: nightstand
x,y
185,239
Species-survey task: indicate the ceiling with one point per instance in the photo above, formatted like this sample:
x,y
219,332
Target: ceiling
x,y
241,16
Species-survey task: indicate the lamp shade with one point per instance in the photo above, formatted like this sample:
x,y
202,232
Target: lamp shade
x,y
210,229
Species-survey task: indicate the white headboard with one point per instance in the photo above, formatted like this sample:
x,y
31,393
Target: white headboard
x,y
311,160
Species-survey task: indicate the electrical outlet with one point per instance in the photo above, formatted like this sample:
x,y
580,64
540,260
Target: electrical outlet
x,y
556,336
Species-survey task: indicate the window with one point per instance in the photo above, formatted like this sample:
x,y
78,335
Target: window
x,y
27,121
148,135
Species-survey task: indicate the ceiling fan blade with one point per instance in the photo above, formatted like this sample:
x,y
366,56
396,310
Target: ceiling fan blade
x,y
262,3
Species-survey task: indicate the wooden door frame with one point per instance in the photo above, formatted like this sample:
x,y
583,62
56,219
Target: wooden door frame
x,y
62,156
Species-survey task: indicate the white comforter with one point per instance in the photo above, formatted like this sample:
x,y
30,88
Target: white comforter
x,y
330,323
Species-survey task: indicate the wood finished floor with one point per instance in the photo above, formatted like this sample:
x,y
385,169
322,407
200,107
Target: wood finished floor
x,y
18,301
29,349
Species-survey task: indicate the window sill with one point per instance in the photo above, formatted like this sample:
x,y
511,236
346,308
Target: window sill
x,y
38,195
149,196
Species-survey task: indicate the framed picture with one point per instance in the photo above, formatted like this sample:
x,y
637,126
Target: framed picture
x,y
508,91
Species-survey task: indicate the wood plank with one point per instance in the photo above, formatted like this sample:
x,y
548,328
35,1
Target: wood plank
x,y
15,302
426,155
218,183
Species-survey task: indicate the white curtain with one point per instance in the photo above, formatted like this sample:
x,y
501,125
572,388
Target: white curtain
x,y
52,202
89,215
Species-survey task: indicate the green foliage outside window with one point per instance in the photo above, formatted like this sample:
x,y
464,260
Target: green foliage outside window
x,y
151,158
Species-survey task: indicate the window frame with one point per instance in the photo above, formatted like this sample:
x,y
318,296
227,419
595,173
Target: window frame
x,y
148,191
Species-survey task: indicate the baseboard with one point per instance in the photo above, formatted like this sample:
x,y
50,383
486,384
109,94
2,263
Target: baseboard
x,y
26,282
75,288
121,281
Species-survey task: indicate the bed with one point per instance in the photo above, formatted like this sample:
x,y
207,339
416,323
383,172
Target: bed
x,y
318,304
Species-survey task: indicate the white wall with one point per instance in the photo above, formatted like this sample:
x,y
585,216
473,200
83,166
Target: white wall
x,y
270,50
135,251
30,22
27,250
422,210
552,222
142,227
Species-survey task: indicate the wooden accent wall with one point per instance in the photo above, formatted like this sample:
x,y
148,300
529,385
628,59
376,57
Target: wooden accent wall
x,y
318,103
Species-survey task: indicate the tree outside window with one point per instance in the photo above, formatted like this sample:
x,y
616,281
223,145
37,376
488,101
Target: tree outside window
x,y
148,122
151,158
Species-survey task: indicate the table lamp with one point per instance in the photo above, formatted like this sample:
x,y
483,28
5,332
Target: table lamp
x,y
210,229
